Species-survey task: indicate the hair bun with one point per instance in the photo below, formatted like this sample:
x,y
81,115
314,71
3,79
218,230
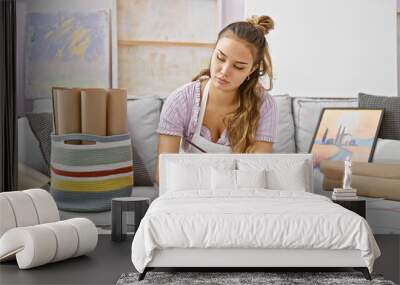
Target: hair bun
x,y
263,23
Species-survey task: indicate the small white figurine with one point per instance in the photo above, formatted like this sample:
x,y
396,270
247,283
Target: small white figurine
x,y
347,174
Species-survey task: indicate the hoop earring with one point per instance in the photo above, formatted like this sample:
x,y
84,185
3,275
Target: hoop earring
x,y
248,77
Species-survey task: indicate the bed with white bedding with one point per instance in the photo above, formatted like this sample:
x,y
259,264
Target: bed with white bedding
x,y
247,211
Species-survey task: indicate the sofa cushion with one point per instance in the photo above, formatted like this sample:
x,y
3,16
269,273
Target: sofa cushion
x,y
143,118
42,126
306,113
29,152
387,151
390,127
285,137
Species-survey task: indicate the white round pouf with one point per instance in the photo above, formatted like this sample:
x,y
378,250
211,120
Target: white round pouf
x,y
40,244
7,218
46,207
67,240
32,246
31,232
23,208
87,233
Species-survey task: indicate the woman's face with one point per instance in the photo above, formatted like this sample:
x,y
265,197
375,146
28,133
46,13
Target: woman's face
x,y
231,63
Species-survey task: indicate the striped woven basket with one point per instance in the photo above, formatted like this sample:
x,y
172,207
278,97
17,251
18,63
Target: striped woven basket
x,y
84,178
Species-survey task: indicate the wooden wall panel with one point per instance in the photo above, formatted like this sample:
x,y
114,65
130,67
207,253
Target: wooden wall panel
x,y
162,44
152,70
186,20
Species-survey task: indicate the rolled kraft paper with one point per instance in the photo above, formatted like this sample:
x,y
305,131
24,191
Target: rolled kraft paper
x,y
329,183
369,186
335,169
67,104
117,117
94,112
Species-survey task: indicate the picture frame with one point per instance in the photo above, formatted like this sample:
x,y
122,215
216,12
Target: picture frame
x,y
346,132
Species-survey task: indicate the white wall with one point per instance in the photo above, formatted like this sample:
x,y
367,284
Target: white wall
x,y
232,11
326,48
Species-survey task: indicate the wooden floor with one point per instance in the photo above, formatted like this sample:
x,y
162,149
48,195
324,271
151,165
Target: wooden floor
x,y
110,259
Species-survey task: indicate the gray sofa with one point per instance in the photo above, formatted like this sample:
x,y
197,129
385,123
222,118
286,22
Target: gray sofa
x,y
298,119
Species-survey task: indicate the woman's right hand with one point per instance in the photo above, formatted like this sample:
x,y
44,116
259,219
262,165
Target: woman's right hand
x,y
166,144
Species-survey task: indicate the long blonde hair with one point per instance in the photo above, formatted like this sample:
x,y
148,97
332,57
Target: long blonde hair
x,y
246,116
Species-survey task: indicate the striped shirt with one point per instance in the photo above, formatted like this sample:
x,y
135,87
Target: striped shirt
x,y
180,114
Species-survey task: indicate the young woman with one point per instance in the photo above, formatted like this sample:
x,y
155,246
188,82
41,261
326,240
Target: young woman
x,y
225,109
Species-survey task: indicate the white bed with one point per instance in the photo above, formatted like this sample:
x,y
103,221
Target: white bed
x,y
198,223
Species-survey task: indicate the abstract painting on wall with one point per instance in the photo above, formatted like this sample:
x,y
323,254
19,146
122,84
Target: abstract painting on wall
x,y
346,132
66,48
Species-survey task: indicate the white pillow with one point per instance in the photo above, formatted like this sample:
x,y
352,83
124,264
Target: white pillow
x,y
226,179
251,178
189,174
292,181
183,177
223,179
282,174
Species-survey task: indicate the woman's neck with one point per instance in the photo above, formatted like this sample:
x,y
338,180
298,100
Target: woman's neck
x,y
222,98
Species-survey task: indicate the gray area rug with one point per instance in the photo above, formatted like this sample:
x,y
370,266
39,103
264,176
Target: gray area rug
x,y
229,278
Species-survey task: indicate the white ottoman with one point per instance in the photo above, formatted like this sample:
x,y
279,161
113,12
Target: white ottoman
x,y
31,232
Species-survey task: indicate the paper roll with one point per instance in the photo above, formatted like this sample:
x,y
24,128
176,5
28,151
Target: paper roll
x,y
368,186
117,117
334,169
94,112
67,111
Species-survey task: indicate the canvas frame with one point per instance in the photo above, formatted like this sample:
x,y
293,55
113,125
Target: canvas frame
x,y
52,6
376,131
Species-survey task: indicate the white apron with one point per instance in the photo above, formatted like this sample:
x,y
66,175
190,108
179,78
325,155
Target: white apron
x,y
198,140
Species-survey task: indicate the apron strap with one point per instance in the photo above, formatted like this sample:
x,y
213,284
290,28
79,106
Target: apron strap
x,y
203,105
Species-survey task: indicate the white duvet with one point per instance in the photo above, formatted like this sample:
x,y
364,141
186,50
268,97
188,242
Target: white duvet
x,y
253,218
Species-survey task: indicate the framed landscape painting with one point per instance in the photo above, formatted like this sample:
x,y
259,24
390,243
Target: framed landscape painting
x,y
346,132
